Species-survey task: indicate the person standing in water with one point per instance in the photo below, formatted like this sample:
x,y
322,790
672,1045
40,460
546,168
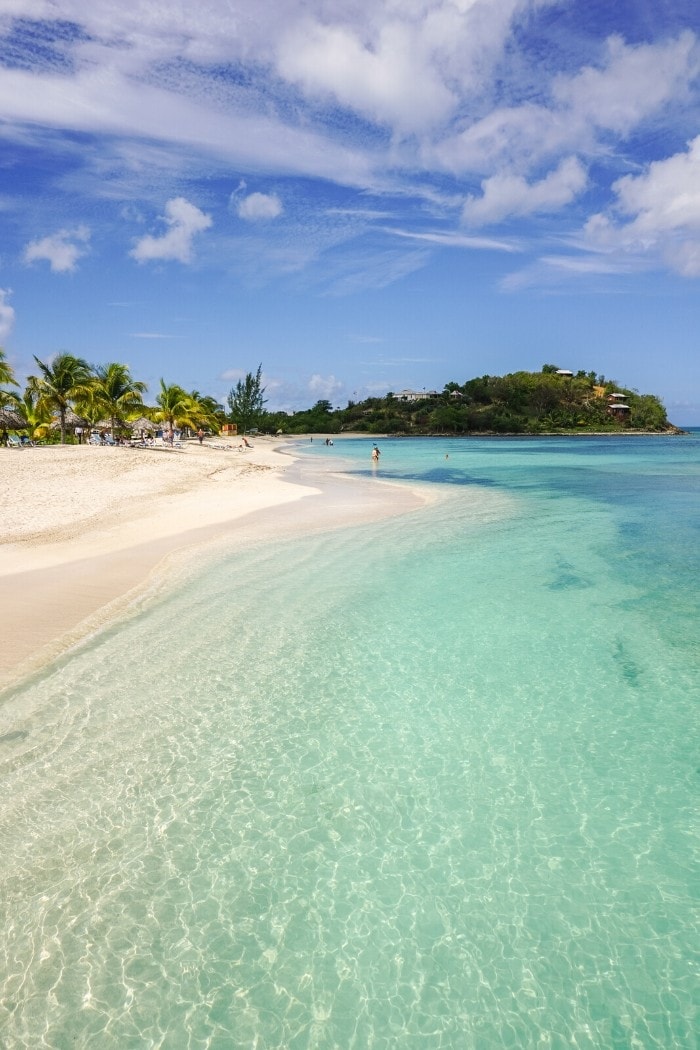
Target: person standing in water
x,y
375,454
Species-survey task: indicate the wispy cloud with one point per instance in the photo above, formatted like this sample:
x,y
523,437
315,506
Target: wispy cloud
x,y
359,271
324,387
151,335
455,240
7,313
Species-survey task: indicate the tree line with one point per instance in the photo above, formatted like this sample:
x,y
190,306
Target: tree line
x,y
68,389
522,402
542,402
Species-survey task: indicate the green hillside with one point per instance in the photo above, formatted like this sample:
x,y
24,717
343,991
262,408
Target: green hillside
x,y
546,402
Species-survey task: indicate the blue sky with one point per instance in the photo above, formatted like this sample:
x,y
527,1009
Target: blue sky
x,y
363,195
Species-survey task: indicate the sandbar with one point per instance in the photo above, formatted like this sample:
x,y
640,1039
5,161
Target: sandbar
x,y
83,529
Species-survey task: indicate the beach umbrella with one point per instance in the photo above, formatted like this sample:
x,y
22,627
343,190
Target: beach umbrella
x,y
72,420
10,420
141,424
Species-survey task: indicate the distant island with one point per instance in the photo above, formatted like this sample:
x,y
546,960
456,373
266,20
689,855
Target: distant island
x,y
552,401
69,400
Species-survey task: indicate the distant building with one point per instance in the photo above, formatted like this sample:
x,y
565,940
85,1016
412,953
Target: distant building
x,y
564,372
616,405
415,395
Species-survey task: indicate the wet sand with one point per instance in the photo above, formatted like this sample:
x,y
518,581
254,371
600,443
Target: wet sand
x,y
85,530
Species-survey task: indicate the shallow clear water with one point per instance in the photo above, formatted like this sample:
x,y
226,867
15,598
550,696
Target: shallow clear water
x,y
425,783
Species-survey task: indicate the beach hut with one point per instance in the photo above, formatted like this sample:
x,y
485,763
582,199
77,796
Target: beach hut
x,y
74,422
141,427
10,420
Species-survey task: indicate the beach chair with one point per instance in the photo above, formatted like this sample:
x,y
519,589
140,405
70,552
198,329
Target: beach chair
x,y
13,441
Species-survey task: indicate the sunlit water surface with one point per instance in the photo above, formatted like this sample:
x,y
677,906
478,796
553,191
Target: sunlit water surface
x,y
424,783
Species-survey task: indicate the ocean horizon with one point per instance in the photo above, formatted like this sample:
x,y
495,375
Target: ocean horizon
x,y
428,781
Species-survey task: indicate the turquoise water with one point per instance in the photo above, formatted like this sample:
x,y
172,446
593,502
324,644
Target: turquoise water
x,y
429,782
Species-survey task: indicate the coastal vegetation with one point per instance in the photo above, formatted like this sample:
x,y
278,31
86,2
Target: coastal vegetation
x,y
68,397
547,402
246,402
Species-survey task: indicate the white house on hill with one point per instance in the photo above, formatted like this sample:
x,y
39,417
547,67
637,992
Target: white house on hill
x,y
415,395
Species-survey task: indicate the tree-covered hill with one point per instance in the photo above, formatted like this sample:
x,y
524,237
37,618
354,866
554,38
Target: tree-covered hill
x,y
552,401
547,402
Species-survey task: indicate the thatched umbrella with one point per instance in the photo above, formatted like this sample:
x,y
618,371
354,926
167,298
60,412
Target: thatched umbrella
x,y
141,424
10,420
72,421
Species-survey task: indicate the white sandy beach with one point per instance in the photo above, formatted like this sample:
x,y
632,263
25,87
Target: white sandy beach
x,y
83,528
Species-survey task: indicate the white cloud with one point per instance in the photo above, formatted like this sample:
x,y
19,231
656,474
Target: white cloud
x,y
7,314
664,209
388,79
505,195
61,250
406,64
386,97
324,387
257,207
634,84
185,221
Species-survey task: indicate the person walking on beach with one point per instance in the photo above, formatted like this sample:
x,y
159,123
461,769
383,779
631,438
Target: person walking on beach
x,y
200,435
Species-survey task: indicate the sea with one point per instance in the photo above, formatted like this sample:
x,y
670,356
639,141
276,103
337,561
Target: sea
x,y
428,781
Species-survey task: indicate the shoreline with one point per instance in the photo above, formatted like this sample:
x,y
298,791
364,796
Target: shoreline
x,y
88,531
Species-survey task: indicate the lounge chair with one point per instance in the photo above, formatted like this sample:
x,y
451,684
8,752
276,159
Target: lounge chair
x,y
13,441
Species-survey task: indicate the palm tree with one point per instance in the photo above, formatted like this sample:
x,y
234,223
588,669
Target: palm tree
x,y
176,407
37,416
7,375
115,393
66,379
211,413
8,398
